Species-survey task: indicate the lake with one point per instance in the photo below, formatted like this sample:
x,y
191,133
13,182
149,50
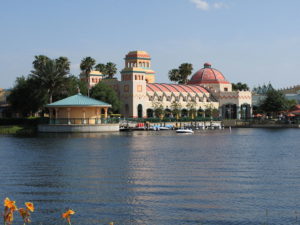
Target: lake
x,y
246,176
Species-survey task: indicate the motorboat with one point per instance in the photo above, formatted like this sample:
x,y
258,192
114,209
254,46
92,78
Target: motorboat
x,y
184,131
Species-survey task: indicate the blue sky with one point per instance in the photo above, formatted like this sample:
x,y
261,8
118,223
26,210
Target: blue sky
x,y
252,41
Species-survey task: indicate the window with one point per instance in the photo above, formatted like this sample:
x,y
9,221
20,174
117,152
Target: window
x,y
226,89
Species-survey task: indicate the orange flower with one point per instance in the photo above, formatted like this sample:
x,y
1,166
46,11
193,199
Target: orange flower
x,y
67,215
29,206
10,204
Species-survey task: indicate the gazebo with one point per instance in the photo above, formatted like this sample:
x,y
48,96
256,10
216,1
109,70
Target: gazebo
x,y
79,113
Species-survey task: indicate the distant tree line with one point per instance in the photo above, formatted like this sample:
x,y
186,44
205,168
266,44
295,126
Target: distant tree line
x,y
50,80
274,103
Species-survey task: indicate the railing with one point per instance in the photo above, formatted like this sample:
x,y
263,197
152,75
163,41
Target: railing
x,y
83,121
182,119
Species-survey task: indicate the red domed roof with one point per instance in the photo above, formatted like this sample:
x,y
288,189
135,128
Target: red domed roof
x,y
208,75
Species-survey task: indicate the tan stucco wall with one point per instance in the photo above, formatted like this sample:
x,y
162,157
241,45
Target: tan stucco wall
x,y
78,113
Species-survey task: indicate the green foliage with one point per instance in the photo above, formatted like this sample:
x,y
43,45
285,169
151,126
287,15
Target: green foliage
x,y
185,70
51,74
158,109
290,104
191,107
181,74
87,65
110,69
101,68
176,108
240,87
104,93
275,102
9,129
174,75
72,86
27,96
211,111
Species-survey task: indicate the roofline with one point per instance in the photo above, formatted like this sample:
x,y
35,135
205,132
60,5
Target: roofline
x,y
57,106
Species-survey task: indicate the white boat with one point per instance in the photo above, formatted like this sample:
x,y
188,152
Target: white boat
x,y
164,128
185,131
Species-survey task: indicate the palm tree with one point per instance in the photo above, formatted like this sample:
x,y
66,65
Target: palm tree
x,y
185,70
174,75
86,67
52,74
101,68
111,69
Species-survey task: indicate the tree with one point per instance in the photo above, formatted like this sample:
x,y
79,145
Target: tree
x,y
274,102
181,74
104,93
86,66
72,86
211,111
27,97
191,106
240,87
50,73
290,104
111,69
176,108
174,75
158,109
101,68
185,70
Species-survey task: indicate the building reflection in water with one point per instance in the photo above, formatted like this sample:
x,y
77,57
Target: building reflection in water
x,y
153,177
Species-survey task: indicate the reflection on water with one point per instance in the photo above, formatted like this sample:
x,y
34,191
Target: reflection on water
x,y
212,177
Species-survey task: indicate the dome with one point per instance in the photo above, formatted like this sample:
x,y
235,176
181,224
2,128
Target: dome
x,y
208,75
138,54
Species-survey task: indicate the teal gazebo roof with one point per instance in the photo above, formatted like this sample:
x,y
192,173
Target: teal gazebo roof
x,y
78,100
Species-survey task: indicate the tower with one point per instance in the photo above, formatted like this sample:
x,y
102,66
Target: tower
x,y
141,60
133,86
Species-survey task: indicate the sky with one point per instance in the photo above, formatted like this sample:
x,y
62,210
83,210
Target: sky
x,y
249,41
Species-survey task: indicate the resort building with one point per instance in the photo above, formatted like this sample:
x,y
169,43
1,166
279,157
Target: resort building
x,y
93,78
207,89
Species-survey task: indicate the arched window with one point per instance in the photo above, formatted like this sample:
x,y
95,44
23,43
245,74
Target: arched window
x,y
150,113
140,111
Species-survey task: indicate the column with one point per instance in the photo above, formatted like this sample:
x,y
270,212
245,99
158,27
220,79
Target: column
x,y
105,113
83,112
69,111
56,116
221,112
238,112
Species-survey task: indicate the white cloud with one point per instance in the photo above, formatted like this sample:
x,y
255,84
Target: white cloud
x,y
219,5
201,4
204,5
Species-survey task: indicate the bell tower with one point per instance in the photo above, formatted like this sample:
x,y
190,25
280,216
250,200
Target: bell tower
x,y
141,60
133,85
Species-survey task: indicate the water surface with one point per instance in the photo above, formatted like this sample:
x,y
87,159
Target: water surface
x,y
156,178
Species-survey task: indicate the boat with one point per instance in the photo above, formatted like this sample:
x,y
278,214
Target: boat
x,y
164,128
185,131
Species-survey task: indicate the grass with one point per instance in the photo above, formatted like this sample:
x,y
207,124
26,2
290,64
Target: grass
x,y
17,129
